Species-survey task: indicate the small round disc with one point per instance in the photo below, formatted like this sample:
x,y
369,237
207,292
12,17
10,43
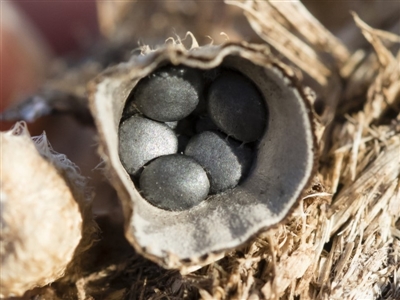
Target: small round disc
x,y
141,140
225,161
174,182
169,94
236,107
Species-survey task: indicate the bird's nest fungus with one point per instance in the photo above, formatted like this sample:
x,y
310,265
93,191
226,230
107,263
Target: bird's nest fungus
x,y
337,236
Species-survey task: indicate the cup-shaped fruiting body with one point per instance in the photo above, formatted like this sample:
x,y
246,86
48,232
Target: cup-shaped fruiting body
x,y
41,222
282,159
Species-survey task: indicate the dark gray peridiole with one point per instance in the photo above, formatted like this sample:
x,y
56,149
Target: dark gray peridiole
x,y
224,160
174,182
166,119
236,107
141,140
169,94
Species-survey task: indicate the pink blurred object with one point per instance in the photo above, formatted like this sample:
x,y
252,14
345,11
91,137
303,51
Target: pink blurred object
x,y
66,25
31,33
24,56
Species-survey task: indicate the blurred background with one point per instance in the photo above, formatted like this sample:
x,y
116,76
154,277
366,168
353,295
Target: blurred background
x,y
34,33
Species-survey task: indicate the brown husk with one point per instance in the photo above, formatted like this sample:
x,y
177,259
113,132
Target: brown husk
x,y
45,213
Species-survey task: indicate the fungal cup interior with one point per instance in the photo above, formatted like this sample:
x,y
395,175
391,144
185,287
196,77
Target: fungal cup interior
x,y
213,118
281,168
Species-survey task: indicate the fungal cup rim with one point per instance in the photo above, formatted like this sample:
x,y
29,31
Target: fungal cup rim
x,y
139,230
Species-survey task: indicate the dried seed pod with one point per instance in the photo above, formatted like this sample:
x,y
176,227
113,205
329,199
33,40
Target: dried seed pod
x,y
282,167
41,220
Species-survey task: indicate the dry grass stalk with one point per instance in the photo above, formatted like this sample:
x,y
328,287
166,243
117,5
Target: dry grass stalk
x,y
290,15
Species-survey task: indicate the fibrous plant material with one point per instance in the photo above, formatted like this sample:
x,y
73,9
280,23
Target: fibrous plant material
x,y
273,21
282,167
297,35
41,221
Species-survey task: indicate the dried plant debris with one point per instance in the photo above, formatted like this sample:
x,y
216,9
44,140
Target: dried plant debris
x,y
298,36
278,22
44,204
